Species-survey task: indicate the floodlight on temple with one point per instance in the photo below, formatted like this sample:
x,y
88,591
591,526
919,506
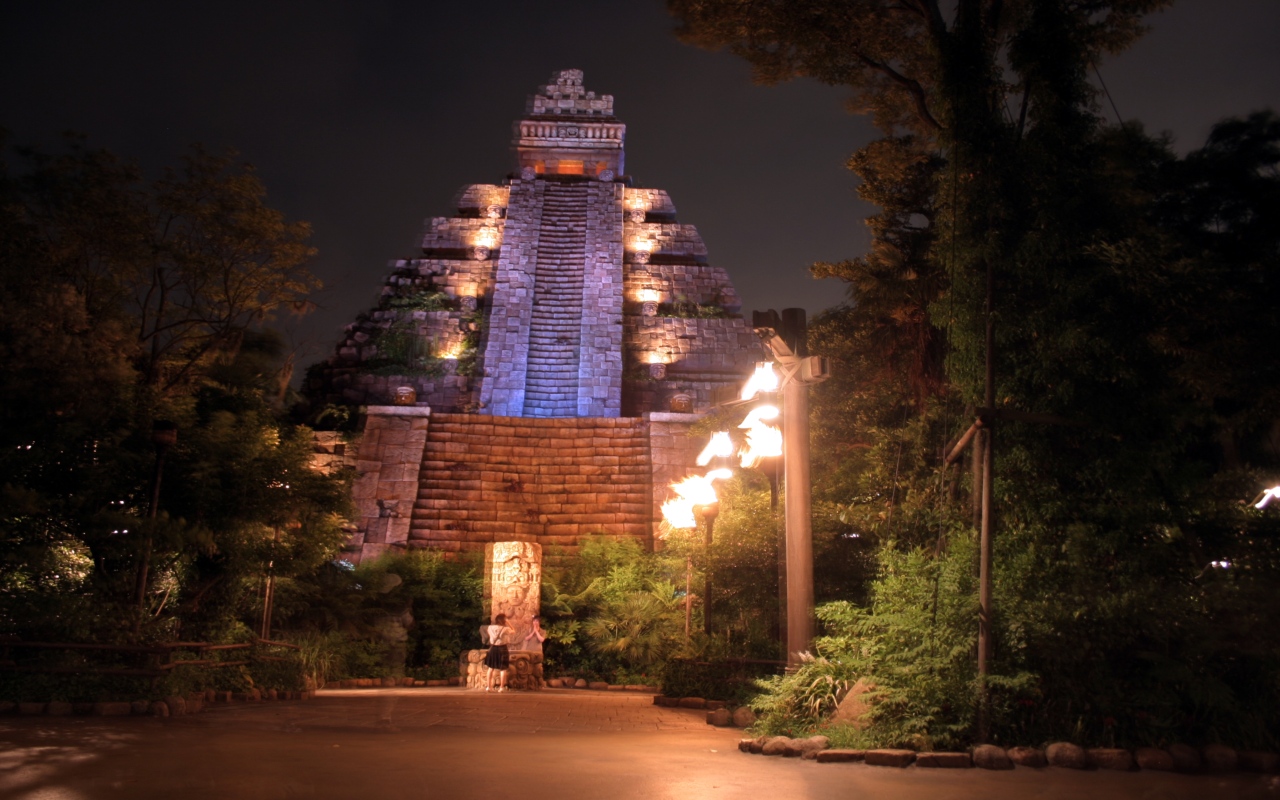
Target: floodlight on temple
x,y
764,379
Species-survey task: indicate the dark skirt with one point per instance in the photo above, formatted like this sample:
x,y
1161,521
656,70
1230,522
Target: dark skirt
x,y
498,658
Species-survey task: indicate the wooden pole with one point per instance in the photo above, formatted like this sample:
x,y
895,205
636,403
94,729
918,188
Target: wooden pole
x,y
795,448
987,532
709,515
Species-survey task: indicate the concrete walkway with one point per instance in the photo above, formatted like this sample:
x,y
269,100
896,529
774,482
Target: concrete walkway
x,y
446,743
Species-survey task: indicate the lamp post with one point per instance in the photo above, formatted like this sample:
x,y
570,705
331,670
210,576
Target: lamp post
x,y
786,338
709,513
164,435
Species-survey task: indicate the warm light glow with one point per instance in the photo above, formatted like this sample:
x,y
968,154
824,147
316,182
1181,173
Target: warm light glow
x,y
643,246
648,296
678,513
453,352
700,489
485,237
764,379
1267,497
656,358
763,441
720,446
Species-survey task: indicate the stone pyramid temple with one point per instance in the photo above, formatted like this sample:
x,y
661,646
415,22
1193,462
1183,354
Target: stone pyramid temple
x,y
532,374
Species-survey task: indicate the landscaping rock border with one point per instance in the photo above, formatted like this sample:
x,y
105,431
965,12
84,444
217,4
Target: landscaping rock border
x,y
1212,759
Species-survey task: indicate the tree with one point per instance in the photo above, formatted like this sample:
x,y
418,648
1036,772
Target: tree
x,y
123,303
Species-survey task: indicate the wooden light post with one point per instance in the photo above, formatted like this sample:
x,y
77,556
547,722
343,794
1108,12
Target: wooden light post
x,y
786,337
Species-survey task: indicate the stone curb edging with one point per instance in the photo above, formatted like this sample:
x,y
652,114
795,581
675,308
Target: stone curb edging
x,y
602,686
173,706
1213,759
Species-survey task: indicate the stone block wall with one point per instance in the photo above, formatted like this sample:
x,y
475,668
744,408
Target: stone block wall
x,y
551,481
386,485
698,283
511,309
600,354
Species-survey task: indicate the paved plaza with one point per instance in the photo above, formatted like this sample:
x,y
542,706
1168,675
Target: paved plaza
x,y
448,742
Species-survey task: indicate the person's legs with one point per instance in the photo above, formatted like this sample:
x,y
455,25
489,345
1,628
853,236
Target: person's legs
x,y
502,678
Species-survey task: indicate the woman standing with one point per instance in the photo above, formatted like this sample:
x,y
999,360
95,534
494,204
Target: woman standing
x,y
498,659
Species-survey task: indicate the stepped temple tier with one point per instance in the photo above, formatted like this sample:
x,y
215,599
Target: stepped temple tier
x,y
531,376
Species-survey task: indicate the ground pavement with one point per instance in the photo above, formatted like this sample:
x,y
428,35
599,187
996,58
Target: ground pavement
x,y
451,743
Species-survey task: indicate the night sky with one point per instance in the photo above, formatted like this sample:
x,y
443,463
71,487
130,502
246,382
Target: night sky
x,y
364,118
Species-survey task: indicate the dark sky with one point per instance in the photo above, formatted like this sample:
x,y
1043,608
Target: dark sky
x,y
364,118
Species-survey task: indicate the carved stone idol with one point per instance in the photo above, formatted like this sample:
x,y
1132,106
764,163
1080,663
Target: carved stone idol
x,y
405,396
513,585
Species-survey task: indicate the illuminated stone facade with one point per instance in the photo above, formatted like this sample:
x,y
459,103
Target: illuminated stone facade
x,y
549,331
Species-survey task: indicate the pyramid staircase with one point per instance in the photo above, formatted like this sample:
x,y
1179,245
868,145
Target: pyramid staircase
x,y
555,329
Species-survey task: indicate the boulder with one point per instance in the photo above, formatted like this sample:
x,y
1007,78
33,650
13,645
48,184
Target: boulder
x,y
615,687
712,705
1110,758
580,683
210,697
57,709
1066,754
1027,757
1185,758
195,702
598,685
692,702
158,709
139,707
838,756
855,705
223,697
720,717
775,746
30,709
744,745
803,747
112,709
744,717
177,705
944,760
553,683
80,708
989,756
1259,761
1220,758
890,758
1153,758
757,744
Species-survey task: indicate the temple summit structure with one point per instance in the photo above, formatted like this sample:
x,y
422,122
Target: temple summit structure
x,y
532,374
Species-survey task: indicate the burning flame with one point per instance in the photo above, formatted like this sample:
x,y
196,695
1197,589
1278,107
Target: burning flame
x,y
764,379
1267,497
695,490
720,446
763,441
